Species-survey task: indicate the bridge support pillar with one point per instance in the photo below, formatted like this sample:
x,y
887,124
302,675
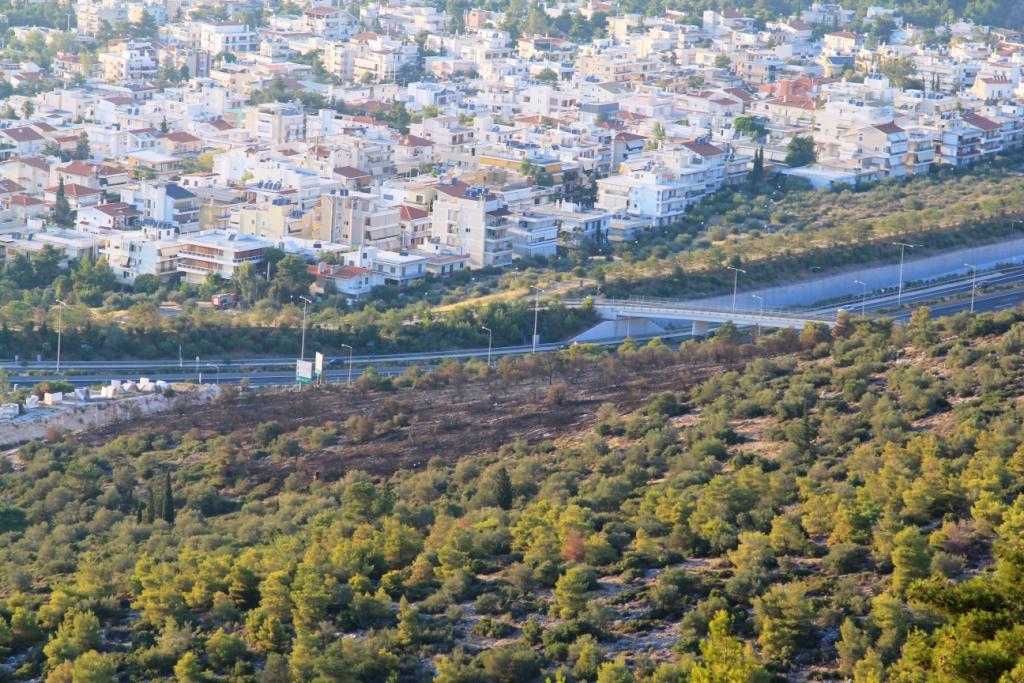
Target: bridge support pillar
x,y
700,328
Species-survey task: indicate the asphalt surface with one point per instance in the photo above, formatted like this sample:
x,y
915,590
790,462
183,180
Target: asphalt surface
x,y
280,370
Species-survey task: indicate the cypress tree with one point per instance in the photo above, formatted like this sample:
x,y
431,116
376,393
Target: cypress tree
x,y
138,511
168,510
62,213
503,493
151,505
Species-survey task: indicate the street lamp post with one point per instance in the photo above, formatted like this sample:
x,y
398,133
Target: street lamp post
x,y
490,338
349,362
302,348
974,282
217,368
536,311
197,368
863,294
60,329
760,311
903,250
735,282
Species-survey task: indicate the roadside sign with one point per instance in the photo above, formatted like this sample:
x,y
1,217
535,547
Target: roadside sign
x,y
318,364
304,371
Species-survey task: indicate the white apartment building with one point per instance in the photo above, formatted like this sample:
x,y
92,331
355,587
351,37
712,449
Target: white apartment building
x,y
884,146
394,268
92,14
534,234
165,202
153,250
452,140
332,23
359,219
220,252
472,221
218,37
618,64
658,187
576,224
129,62
276,123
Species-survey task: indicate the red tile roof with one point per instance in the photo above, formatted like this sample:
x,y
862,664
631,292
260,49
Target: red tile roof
x,y
75,190
415,141
35,162
411,213
351,172
981,122
341,272
703,149
80,168
181,136
889,128
25,200
22,134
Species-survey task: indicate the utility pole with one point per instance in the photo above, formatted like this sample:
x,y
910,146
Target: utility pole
x,y
974,282
863,294
60,329
302,348
903,250
349,362
760,311
735,282
490,337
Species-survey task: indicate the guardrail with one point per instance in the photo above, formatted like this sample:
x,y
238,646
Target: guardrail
x,y
656,305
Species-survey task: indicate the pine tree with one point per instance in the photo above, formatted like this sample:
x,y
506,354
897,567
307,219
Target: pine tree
x,y
163,126
408,623
168,501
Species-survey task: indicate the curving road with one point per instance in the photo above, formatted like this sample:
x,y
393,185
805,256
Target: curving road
x,y
280,370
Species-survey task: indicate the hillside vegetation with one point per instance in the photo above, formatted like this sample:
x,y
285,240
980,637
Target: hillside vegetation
x,y
839,504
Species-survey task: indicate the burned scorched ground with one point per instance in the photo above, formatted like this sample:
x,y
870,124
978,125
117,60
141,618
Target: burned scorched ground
x,y
447,415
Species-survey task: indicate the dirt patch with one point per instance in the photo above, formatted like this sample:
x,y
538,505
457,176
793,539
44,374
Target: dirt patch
x,y
447,422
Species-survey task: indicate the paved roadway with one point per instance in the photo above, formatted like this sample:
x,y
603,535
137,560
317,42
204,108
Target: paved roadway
x,y
280,370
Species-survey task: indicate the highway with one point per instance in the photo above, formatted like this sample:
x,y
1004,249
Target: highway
x,y
921,294
278,370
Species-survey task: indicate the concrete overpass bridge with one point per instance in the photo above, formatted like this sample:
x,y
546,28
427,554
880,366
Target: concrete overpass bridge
x,y
634,316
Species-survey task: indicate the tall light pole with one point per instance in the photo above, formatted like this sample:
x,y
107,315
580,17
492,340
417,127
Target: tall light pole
x,y
903,250
536,310
735,282
346,346
490,338
302,348
60,329
974,282
217,368
760,310
863,294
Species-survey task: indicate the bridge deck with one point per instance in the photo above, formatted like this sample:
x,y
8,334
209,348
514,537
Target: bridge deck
x,y
667,309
